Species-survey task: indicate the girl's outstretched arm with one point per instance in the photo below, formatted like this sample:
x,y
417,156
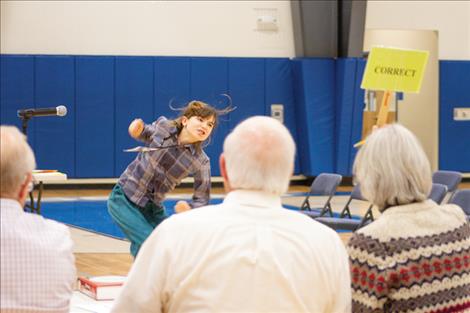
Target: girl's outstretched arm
x,y
202,185
144,132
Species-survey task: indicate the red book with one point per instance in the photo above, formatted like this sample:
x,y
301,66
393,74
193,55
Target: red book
x,y
101,287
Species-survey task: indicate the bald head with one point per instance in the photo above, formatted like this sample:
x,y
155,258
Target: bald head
x,y
17,161
259,155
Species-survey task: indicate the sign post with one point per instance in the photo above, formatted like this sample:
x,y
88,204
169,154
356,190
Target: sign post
x,y
393,70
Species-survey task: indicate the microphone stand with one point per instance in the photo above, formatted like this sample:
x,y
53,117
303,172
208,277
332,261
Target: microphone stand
x,y
25,117
24,123
33,208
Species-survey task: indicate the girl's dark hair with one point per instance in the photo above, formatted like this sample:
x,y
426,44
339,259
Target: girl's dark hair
x,y
201,109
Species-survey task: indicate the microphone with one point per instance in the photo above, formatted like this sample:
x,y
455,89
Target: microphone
x,y
61,110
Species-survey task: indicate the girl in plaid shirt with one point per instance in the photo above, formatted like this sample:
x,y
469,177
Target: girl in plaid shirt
x,y
135,203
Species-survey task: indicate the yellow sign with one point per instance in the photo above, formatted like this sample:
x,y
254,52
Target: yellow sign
x,y
394,69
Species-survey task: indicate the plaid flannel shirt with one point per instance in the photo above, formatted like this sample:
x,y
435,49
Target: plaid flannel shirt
x,y
153,174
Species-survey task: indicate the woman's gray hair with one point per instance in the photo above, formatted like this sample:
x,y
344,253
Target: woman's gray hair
x,y
16,160
392,168
259,155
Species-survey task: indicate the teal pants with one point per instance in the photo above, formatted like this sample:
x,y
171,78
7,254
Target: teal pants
x,y
136,222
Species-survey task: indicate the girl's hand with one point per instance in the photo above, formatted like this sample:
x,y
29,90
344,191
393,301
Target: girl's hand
x,y
136,128
182,206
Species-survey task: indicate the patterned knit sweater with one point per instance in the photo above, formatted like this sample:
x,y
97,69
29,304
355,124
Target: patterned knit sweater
x,y
414,258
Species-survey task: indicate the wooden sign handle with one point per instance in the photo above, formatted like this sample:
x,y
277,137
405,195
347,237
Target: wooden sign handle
x,y
382,115
384,109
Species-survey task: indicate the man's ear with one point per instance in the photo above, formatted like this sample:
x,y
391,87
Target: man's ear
x,y
223,172
24,189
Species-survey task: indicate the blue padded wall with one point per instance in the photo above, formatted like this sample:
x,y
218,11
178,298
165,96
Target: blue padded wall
x,y
94,116
349,108
134,98
356,127
17,90
280,90
454,136
209,81
314,82
345,84
322,101
172,85
246,88
55,136
105,93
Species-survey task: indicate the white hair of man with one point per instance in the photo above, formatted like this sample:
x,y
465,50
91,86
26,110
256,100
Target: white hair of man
x,y
16,160
392,168
259,155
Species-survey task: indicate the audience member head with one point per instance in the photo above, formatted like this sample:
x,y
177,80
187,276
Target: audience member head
x,y
392,168
16,164
258,155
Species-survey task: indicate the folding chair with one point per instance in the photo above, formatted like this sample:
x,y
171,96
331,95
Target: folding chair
x,y
451,179
462,199
324,184
438,193
345,220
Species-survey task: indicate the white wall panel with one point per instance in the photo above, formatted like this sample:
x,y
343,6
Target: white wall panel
x,y
187,28
450,18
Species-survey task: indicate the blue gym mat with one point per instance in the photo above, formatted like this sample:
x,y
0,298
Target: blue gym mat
x,y
93,215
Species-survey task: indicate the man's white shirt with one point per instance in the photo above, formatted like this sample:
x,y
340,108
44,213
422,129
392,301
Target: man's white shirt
x,y
247,254
37,262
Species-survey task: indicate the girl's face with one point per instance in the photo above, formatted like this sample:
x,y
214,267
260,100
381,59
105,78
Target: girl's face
x,y
198,128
